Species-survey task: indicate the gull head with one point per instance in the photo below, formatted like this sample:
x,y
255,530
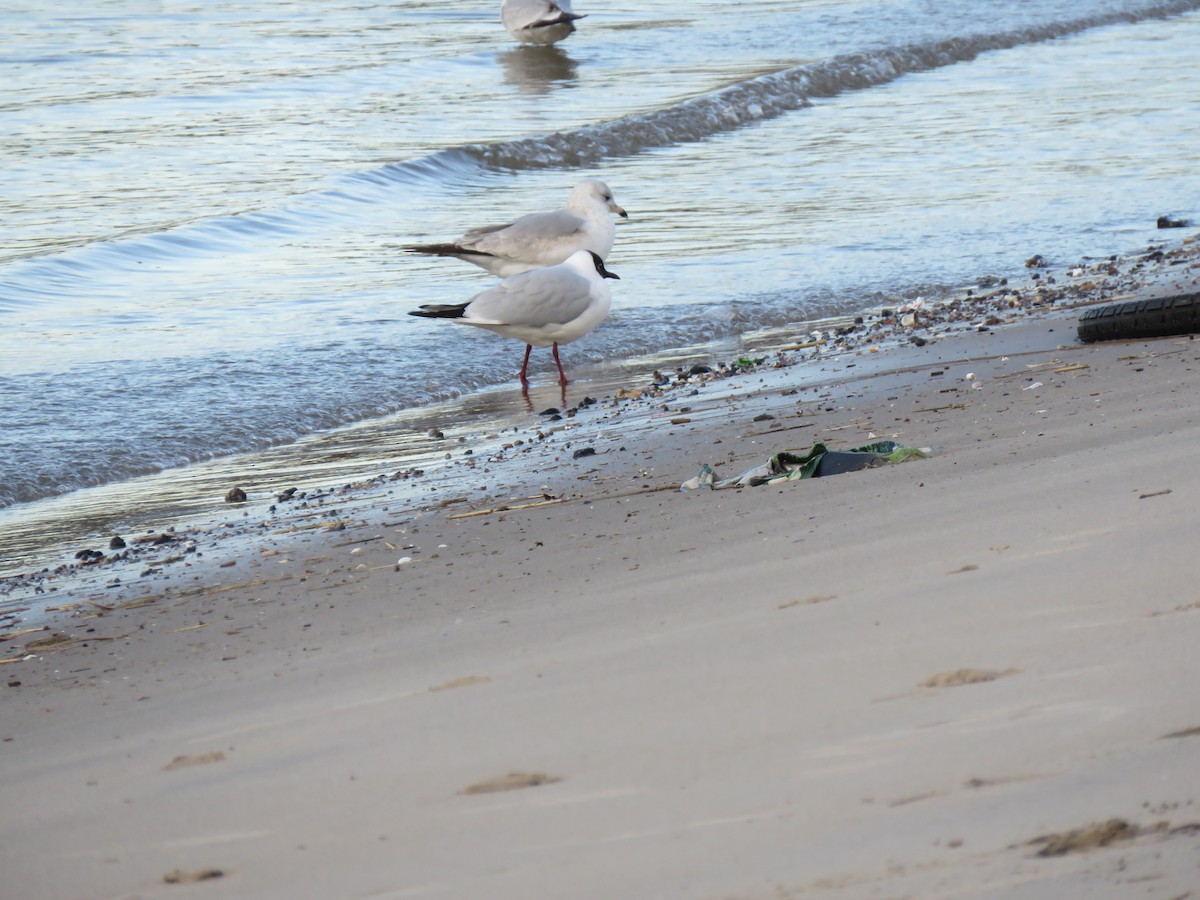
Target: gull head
x,y
593,191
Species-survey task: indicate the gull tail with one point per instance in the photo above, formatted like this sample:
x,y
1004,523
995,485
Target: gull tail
x,y
440,311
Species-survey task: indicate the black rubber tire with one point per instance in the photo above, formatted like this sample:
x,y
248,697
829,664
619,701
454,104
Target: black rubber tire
x,y
1159,317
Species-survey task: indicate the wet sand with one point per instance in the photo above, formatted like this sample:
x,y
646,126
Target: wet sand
x,y
542,670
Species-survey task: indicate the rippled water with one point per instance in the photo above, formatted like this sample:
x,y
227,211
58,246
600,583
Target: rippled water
x,y
204,204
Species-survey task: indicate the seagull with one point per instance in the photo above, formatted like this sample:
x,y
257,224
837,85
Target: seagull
x,y
538,21
542,307
539,239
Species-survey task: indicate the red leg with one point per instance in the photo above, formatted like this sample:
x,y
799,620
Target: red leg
x,y
562,376
525,365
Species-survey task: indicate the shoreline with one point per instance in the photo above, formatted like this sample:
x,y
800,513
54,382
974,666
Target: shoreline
x,y
44,535
553,673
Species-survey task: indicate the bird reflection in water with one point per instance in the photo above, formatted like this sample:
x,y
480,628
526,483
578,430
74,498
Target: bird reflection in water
x,y
536,69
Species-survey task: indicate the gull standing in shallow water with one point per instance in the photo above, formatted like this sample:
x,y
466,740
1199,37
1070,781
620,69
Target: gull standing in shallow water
x,y
538,21
539,239
542,307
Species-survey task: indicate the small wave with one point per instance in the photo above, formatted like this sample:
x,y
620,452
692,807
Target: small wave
x,y
768,96
737,106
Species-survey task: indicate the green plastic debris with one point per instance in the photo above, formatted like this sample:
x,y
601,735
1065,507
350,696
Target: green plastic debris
x,y
790,465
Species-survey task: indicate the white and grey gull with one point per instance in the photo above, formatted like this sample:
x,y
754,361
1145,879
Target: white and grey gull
x,y
539,239
542,307
538,21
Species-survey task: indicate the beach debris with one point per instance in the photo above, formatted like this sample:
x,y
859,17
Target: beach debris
x,y
1194,731
189,628
464,681
178,876
808,601
55,641
1037,261
959,677
790,465
1090,837
117,543
513,781
13,635
186,762
1147,318
235,495
546,500
583,451
1168,222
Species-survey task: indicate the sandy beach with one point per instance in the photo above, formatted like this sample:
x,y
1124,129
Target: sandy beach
x,y
545,671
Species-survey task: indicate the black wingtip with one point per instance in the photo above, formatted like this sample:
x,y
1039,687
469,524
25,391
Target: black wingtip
x,y
563,18
444,250
440,311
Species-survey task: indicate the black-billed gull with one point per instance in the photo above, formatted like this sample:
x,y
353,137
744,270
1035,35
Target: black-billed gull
x,y
539,239
538,21
542,307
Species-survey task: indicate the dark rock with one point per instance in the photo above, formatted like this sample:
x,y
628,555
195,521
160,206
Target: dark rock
x,y
1037,261
583,451
235,495
550,411
1168,222
117,543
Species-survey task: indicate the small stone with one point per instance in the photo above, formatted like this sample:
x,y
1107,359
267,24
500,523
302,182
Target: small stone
x,y
235,495
1168,222
583,451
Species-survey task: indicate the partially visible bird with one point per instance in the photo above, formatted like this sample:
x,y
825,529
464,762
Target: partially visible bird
x,y
539,239
538,21
542,307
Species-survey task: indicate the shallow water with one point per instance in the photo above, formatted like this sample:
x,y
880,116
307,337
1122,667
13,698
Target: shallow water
x,y
205,204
